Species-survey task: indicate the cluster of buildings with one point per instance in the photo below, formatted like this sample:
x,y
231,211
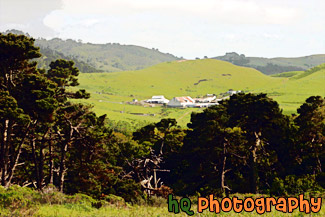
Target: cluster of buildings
x,y
185,101
189,102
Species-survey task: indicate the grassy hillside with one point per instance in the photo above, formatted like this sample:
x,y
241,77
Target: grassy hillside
x,y
291,93
194,78
311,71
274,65
287,74
111,91
107,57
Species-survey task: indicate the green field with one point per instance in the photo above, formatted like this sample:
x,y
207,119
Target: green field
x,y
111,91
287,74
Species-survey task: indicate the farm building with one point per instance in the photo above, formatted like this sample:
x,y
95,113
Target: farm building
x,y
184,101
208,99
232,92
158,100
205,105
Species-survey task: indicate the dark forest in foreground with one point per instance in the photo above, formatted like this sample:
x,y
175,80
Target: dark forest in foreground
x,y
245,144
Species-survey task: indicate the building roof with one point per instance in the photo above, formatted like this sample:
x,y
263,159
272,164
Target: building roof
x,y
185,99
158,97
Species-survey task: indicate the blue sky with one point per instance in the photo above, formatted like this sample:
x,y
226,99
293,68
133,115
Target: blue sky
x,y
188,28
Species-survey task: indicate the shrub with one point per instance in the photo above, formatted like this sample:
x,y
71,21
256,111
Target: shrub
x,y
293,185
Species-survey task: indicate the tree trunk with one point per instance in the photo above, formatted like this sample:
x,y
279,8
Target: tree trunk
x,y
38,182
50,161
64,149
224,188
253,165
3,152
15,159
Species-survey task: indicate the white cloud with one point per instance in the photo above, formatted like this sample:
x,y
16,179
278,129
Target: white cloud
x,y
221,11
190,28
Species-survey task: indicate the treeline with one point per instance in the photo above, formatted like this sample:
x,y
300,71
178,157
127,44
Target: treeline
x,y
266,66
245,144
49,55
271,68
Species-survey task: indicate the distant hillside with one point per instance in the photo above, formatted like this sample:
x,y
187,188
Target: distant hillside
x,y
99,57
300,74
49,55
107,57
274,65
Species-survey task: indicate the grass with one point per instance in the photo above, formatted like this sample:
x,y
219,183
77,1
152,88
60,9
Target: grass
x,y
111,91
22,201
287,74
148,211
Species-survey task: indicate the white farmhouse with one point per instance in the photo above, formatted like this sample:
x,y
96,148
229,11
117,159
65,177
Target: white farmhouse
x,y
208,99
232,92
184,101
158,100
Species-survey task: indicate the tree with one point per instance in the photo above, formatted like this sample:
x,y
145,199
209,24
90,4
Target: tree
x,y
311,134
30,96
163,140
55,139
233,138
260,117
212,150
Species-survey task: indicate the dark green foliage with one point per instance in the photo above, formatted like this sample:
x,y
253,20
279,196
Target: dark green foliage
x,y
271,68
58,141
293,185
311,134
246,144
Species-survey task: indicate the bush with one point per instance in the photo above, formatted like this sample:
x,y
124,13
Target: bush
x,y
113,199
293,185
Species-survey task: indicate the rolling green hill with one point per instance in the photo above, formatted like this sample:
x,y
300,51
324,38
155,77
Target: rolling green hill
x,y
111,91
274,65
107,57
192,77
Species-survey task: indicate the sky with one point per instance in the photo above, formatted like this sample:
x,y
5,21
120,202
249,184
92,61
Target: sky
x,y
185,28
